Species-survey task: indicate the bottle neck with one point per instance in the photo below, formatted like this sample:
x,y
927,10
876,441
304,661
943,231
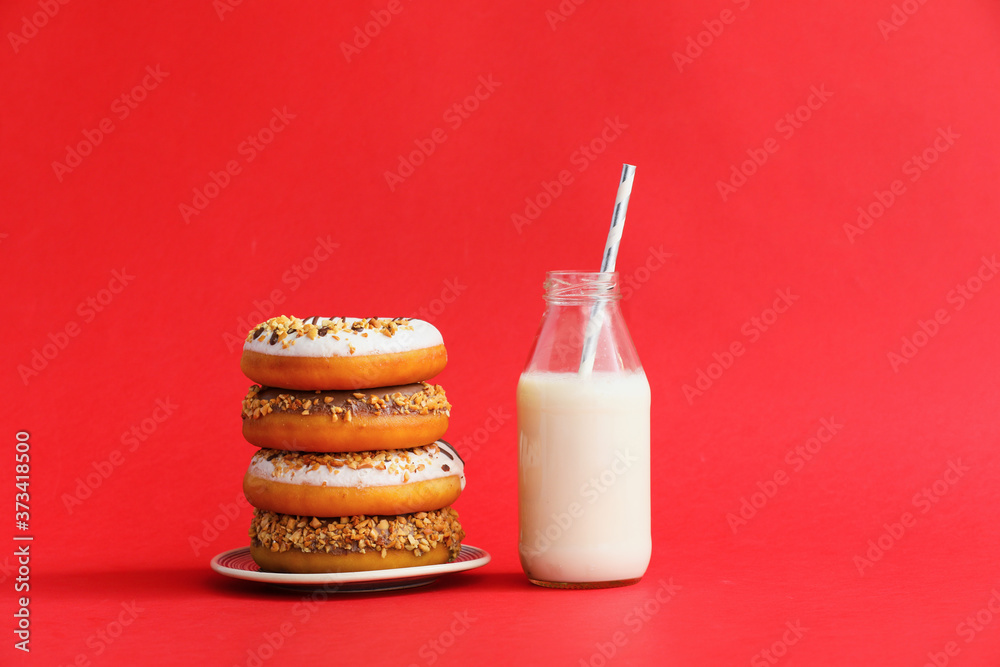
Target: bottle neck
x,y
580,287
582,327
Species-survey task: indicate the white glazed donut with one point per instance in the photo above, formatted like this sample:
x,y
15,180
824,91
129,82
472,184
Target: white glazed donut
x,y
342,352
387,482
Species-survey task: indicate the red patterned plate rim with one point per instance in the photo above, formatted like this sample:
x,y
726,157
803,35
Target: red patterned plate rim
x,y
238,563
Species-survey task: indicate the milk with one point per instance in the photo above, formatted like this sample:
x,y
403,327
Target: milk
x,y
584,477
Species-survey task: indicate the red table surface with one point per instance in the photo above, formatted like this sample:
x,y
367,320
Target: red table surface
x,y
809,264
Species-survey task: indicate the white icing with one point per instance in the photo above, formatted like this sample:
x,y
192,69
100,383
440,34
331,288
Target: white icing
x,y
365,342
362,477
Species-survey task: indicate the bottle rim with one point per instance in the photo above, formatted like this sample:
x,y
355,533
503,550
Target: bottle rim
x,y
581,285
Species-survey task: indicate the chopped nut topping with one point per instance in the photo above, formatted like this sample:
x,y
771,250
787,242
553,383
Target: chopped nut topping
x,y
357,534
276,329
422,399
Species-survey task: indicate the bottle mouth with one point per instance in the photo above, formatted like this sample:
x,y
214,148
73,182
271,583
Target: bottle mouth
x,y
581,285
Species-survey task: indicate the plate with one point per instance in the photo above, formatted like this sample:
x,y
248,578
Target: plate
x,y
237,563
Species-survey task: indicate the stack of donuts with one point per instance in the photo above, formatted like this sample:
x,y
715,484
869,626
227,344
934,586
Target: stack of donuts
x,y
352,474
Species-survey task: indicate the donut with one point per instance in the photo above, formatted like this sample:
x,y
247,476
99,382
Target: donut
x,y
309,544
342,352
345,421
399,481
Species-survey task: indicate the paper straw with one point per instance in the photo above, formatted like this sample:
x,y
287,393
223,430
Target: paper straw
x,y
618,218
607,264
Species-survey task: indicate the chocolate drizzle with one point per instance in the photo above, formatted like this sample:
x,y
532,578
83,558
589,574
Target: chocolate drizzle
x,y
447,449
283,327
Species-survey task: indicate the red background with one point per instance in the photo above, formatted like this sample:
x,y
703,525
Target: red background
x,y
444,243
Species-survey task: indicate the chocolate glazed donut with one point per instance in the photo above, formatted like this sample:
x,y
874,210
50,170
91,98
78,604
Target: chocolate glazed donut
x,y
293,543
345,421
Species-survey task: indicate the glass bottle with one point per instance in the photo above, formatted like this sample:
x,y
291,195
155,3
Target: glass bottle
x,y
583,453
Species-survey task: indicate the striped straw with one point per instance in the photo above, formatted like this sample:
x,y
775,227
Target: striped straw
x,y
607,264
618,218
